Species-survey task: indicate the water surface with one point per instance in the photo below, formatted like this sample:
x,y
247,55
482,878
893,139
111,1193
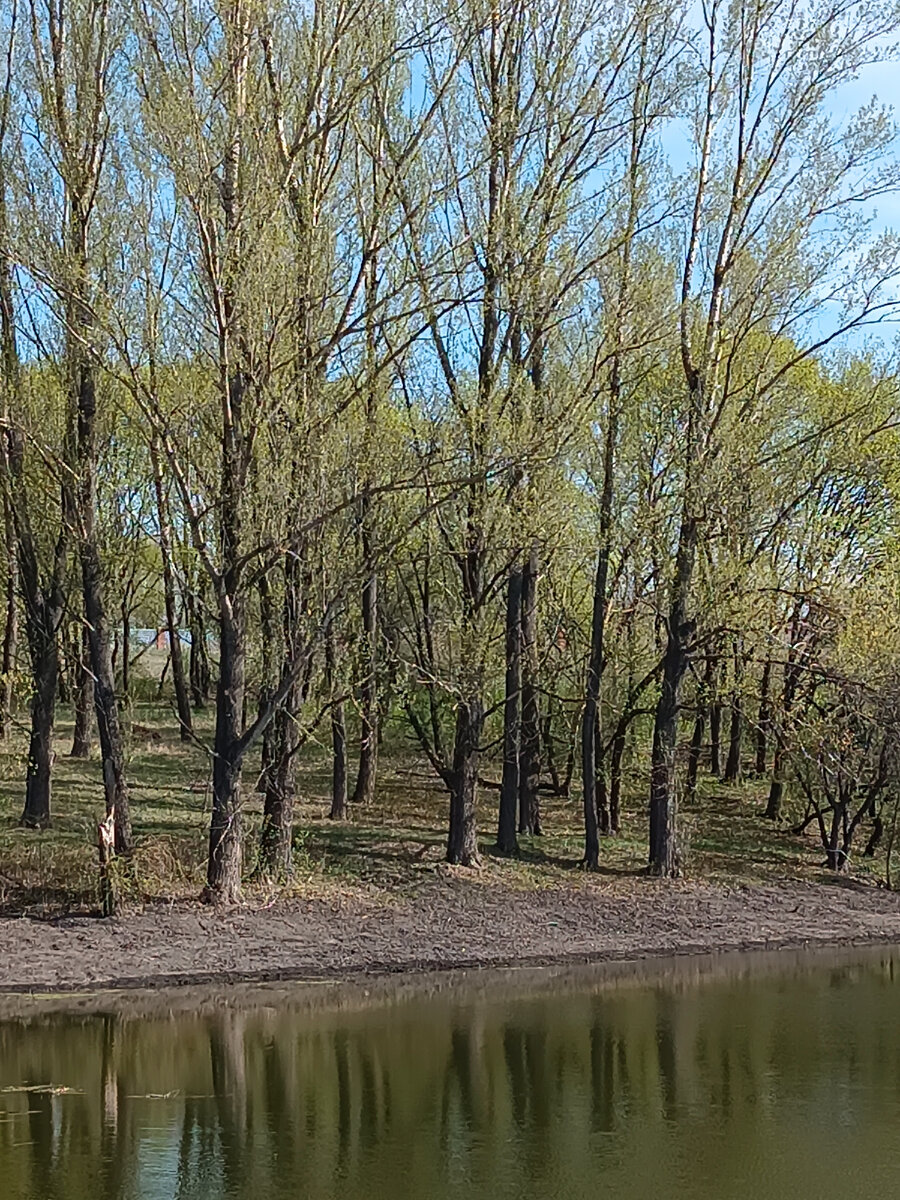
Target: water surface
x,y
748,1084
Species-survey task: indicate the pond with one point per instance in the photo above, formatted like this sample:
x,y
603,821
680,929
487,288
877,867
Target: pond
x,y
718,1081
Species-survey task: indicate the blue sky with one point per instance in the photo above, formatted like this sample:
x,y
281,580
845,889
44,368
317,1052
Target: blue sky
x,y
881,80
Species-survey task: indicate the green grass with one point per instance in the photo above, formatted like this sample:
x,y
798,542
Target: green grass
x,y
388,849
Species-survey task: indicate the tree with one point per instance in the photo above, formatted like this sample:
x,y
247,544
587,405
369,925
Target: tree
x,y
777,188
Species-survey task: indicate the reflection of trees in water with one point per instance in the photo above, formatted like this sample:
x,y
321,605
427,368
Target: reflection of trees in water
x,y
605,1057
40,1133
444,1096
116,1132
227,1057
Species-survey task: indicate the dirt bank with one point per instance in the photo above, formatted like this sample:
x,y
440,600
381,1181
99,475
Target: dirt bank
x,y
453,923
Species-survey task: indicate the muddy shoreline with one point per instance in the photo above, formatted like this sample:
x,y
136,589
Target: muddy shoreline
x,y
453,925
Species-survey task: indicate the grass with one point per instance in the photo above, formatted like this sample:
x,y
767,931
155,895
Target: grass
x,y
391,847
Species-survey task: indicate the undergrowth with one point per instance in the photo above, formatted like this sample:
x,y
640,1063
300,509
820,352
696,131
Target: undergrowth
x,y
390,848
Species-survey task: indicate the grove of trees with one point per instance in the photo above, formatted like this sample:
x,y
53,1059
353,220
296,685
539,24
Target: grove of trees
x,y
515,373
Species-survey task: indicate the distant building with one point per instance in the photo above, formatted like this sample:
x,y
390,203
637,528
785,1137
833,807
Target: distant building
x,y
158,638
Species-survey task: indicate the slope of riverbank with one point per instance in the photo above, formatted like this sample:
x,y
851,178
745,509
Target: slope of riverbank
x,y
453,921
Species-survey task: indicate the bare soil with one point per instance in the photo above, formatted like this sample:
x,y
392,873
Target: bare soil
x,y
454,921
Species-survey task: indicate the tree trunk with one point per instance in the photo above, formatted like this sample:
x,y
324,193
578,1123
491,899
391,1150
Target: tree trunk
x,y
696,749
592,767
83,503
126,654
84,700
735,736
198,665
549,744
782,742
276,842
462,840
270,668
43,598
762,720
530,738
112,748
837,852
507,842
735,733
364,792
776,787
11,626
715,737
462,843
339,805
44,602
106,846
176,658
836,859
67,677
590,718
600,779
875,837
12,483
45,671
223,875
276,836
615,781
663,847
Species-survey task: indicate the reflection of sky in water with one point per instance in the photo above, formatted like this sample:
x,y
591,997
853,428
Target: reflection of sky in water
x,y
157,1153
